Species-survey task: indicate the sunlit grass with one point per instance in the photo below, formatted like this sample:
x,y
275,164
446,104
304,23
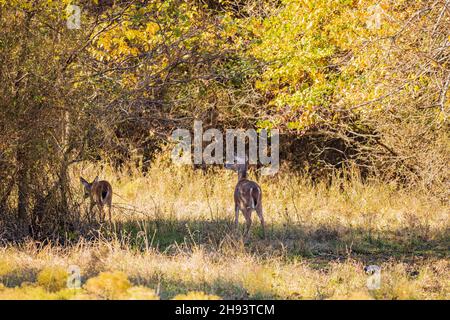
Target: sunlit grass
x,y
125,274
172,237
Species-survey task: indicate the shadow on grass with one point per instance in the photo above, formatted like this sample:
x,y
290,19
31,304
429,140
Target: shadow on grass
x,y
170,287
294,240
318,244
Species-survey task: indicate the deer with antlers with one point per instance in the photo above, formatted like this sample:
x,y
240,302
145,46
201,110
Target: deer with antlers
x,y
100,194
247,196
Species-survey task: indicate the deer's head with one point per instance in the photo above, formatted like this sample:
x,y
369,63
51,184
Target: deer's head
x,y
87,186
239,165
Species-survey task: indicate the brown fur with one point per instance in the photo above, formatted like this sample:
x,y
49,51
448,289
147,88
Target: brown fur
x,y
100,194
247,197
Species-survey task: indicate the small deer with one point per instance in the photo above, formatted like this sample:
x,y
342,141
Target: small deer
x,y
100,193
247,196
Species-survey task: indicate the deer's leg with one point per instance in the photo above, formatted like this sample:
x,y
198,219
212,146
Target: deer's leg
x,y
248,220
259,212
236,217
91,206
109,213
101,213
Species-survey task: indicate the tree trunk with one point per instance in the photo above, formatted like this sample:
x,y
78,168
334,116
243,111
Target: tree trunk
x,y
23,191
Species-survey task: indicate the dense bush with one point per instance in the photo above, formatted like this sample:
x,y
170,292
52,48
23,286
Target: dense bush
x,y
348,83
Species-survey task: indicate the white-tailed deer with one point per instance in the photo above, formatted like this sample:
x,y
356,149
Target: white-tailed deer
x,y
100,194
247,196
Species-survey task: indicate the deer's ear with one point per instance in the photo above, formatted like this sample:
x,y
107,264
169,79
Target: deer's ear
x,y
95,180
84,182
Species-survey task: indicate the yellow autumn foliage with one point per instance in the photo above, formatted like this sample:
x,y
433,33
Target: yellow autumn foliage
x,y
109,285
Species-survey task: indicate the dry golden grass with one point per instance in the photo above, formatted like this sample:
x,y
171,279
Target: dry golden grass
x,y
144,275
172,238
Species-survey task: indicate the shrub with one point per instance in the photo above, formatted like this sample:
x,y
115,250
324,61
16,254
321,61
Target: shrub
x,y
109,285
142,293
6,268
52,278
26,292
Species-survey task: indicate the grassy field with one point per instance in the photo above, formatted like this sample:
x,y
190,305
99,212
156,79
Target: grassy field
x,y
172,237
